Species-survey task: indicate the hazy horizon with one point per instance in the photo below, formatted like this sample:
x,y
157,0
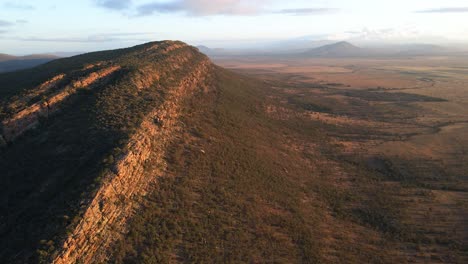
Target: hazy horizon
x,y
48,26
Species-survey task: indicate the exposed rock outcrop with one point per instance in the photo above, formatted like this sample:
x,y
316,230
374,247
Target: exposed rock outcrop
x,y
73,184
94,76
29,117
106,215
168,48
51,83
145,78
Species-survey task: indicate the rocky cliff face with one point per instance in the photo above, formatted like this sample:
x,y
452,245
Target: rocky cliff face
x,y
127,99
104,219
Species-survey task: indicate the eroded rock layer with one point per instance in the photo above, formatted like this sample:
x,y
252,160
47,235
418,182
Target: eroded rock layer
x,y
105,218
98,125
29,117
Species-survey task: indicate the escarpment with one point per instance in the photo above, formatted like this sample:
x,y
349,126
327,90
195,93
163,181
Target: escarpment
x,y
127,181
98,137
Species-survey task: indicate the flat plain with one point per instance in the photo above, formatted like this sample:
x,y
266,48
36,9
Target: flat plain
x,y
405,119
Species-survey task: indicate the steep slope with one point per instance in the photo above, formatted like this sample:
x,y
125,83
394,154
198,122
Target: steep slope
x,y
152,154
231,192
340,49
76,140
256,177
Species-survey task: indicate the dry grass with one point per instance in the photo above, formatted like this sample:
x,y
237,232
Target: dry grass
x,y
422,146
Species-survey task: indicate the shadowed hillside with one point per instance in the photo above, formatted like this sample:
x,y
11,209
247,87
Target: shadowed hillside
x,y
153,154
10,63
76,128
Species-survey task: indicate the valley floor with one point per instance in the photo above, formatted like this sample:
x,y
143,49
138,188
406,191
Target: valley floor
x,y
404,118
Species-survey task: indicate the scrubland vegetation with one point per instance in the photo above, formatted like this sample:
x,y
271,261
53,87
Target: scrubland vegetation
x,y
238,190
50,171
280,168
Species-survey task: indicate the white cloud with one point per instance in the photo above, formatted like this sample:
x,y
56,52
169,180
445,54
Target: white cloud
x,y
205,7
386,35
114,4
4,23
307,11
445,10
105,37
16,5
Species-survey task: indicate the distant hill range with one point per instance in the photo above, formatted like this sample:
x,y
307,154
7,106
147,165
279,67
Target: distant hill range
x,y
342,49
210,51
339,49
10,63
346,49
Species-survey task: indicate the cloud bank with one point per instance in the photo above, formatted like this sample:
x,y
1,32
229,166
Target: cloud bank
x,y
4,23
114,4
445,10
307,11
99,38
205,7
16,5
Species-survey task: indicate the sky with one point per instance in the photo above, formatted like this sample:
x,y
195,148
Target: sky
x,y
45,26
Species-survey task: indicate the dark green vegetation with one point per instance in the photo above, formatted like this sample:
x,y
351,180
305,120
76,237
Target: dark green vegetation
x,y
244,186
404,152
227,196
251,177
308,105
47,173
14,65
13,83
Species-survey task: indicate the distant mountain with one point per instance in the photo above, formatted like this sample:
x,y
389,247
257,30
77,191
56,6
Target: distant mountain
x,y
305,48
65,54
210,51
297,45
6,57
13,63
339,49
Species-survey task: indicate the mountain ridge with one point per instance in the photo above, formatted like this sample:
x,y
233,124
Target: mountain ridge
x,y
153,154
122,100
